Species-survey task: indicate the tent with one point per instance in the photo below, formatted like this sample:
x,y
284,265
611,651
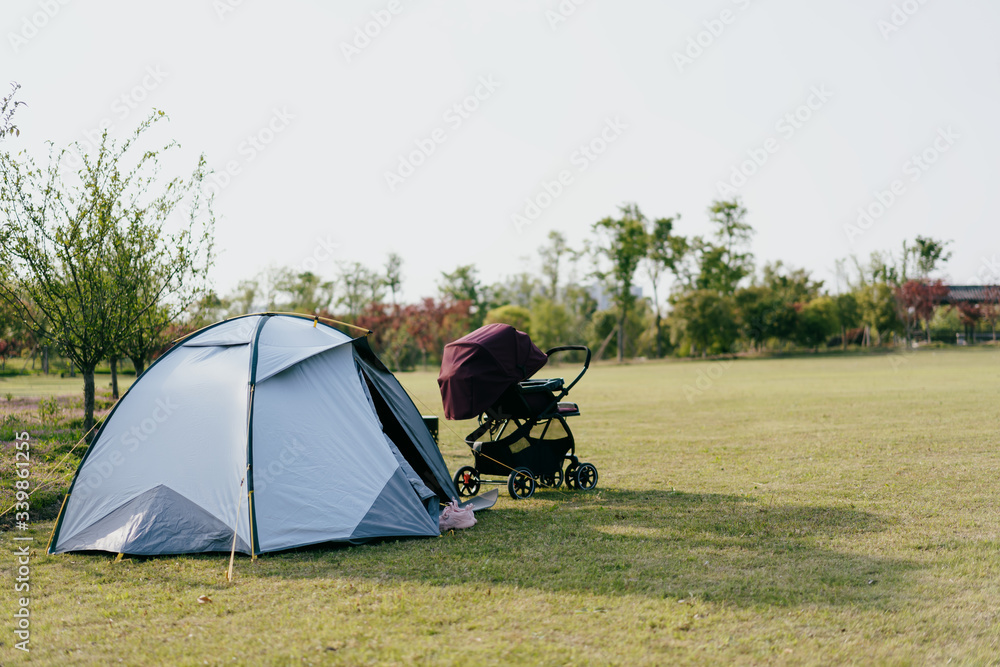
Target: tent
x,y
275,430
478,367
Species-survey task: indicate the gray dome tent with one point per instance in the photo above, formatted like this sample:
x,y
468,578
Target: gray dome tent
x,y
277,430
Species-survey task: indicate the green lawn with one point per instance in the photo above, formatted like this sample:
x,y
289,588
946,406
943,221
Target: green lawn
x,y
38,386
801,511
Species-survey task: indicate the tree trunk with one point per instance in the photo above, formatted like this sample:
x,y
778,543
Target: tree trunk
x,y
88,401
45,360
114,377
843,338
658,353
621,337
139,364
72,371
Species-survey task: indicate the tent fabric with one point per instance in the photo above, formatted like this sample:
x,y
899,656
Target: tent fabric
x,y
477,368
407,416
261,428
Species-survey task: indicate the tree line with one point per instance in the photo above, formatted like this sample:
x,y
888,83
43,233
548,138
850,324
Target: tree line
x,y
109,261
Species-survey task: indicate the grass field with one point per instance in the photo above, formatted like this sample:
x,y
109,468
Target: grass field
x,y
821,510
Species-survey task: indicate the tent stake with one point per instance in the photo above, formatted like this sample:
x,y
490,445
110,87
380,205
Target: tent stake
x,y
232,554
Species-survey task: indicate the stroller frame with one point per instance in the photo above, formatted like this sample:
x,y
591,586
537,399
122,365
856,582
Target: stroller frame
x,y
529,439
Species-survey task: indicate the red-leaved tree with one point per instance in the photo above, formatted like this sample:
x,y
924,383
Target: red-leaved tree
x,y
916,301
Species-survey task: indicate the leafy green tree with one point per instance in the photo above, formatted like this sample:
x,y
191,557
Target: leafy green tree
x,y
790,285
623,241
519,290
816,322
725,263
762,314
551,324
662,257
8,105
308,293
877,305
359,287
703,320
848,314
81,248
394,275
463,285
930,254
518,317
552,255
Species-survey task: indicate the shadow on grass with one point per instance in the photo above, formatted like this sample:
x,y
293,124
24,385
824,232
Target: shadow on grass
x,y
724,548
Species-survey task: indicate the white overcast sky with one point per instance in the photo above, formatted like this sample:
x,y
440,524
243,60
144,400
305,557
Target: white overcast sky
x,y
227,70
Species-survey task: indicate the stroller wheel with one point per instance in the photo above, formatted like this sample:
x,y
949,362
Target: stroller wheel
x,y
586,476
467,481
553,481
521,484
571,475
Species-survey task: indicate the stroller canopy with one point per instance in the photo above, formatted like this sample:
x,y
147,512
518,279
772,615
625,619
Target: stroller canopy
x,y
477,368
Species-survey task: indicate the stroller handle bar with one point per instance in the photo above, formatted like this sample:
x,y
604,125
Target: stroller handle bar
x,y
586,362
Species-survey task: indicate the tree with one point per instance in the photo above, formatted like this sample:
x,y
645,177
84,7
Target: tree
x,y
969,314
790,285
848,315
661,256
916,301
359,287
623,242
551,324
152,332
519,290
462,286
518,317
703,319
990,308
393,274
929,254
552,255
8,105
817,321
306,292
91,252
878,308
762,314
725,264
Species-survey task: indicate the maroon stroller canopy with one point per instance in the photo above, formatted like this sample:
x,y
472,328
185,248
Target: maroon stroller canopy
x,y
478,367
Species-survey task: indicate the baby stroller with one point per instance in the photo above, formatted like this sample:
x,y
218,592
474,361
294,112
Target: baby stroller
x,y
522,421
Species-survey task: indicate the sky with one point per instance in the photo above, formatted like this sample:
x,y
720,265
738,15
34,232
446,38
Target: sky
x,y
463,133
